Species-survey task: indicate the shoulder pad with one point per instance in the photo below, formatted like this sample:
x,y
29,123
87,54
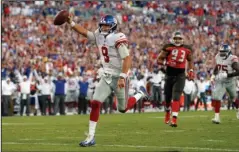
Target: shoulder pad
x,y
166,46
120,38
188,47
234,58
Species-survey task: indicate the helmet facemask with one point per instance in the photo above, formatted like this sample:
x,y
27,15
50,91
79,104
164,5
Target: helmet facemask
x,y
178,41
224,51
177,38
106,29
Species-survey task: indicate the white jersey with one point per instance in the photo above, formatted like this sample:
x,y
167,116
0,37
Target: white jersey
x,y
72,84
226,65
110,56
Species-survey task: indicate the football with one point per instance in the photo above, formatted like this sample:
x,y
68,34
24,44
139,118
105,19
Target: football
x,y
61,17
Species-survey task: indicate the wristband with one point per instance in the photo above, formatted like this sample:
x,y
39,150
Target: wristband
x,y
73,23
123,75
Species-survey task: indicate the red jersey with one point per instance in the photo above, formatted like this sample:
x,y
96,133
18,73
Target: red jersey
x,y
177,55
176,58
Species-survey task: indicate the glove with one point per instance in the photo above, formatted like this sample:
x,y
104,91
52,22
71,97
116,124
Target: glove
x,y
221,76
191,74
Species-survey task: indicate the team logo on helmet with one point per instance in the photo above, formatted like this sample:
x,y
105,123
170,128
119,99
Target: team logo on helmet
x,y
110,22
225,51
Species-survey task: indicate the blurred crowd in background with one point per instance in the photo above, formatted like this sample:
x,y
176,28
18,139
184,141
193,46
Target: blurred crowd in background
x,y
32,44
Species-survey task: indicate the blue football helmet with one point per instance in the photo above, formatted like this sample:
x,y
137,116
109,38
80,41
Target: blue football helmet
x,y
225,51
110,21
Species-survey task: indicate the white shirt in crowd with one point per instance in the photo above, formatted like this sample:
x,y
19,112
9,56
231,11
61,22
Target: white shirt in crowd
x,y
137,84
201,86
8,88
25,83
189,87
46,88
72,84
157,78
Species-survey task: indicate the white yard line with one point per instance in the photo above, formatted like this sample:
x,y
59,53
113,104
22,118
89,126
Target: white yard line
x,y
161,117
212,140
21,124
173,131
29,139
129,146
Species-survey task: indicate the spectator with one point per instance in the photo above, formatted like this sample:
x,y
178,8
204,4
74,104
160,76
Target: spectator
x,y
60,93
157,78
72,92
46,88
8,88
201,85
34,103
188,90
83,102
25,84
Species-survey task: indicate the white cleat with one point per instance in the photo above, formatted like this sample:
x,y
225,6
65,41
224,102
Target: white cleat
x,y
89,141
216,121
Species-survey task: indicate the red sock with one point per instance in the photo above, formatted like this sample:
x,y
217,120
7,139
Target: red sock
x,y
131,102
213,103
217,106
115,105
237,103
95,110
175,107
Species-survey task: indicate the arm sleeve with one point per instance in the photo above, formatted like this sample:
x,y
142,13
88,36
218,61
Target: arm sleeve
x,y
91,36
123,51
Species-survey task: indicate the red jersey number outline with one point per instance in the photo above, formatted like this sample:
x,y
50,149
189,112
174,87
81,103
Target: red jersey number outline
x,y
222,67
104,51
178,55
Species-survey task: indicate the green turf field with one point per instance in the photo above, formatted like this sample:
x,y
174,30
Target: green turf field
x,y
122,132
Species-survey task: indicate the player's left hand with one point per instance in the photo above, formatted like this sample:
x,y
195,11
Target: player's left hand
x,y
121,83
221,76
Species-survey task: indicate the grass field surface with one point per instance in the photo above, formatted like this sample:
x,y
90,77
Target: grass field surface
x,y
122,132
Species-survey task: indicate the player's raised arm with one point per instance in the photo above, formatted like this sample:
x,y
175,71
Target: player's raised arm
x,y
80,29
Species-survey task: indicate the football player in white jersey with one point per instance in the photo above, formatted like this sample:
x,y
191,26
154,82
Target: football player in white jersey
x,y
116,63
225,72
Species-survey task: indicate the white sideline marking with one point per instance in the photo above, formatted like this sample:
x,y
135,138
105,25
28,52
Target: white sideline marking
x,y
182,116
29,139
130,146
212,140
98,135
173,131
21,124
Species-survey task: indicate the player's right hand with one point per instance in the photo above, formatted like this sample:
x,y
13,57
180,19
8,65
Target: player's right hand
x,y
221,76
121,83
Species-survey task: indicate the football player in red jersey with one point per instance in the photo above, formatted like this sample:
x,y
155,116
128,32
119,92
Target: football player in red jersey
x,y
174,56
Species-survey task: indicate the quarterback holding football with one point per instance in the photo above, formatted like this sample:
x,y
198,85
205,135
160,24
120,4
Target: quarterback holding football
x,y
116,61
